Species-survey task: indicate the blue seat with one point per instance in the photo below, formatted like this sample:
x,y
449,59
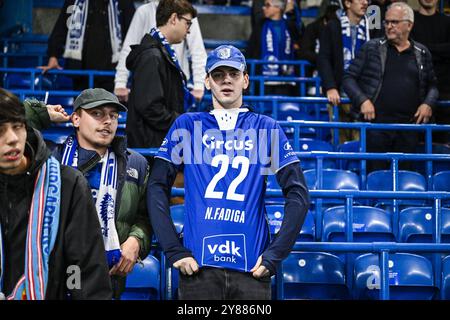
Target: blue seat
x,y
24,81
314,275
143,283
66,102
288,111
441,181
445,281
416,225
177,214
382,180
369,224
349,146
308,145
410,277
333,179
54,137
275,214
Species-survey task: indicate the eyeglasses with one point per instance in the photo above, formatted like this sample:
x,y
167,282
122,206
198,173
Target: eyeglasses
x,y
393,22
188,21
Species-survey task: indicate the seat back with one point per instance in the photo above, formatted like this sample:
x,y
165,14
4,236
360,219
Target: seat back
x,y
143,282
275,214
445,281
309,145
349,146
382,180
369,224
416,224
177,214
314,275
333,179
441,181
410,277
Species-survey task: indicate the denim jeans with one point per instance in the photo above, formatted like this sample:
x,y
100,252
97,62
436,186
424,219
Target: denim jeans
x,y
223,284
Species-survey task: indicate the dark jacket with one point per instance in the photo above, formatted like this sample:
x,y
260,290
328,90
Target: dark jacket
x,y
330,61
156,97
79,240
434,32
309,41
96,43
132,175
364,77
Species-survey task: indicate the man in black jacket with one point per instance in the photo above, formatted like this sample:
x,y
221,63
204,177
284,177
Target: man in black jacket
x,y
158,93
48,215
89,35
392,80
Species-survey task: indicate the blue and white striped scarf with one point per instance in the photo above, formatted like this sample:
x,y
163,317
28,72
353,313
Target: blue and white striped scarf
x,y
276,49
106,197
42,230
189,101
77,28
362,36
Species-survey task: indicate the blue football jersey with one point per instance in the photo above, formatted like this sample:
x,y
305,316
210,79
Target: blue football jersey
x,y
226,155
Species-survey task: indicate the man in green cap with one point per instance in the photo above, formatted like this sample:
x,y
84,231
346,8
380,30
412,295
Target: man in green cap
x,y
117,176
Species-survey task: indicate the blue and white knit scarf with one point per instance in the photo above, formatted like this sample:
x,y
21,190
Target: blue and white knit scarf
x,y
77,28
42,230
189,101
362,36
276,49
106,197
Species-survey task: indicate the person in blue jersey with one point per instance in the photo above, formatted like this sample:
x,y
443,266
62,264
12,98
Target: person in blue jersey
x,y
226,155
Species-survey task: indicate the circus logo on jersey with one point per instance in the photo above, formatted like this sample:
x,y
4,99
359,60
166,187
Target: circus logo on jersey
x,y
212,143
225,250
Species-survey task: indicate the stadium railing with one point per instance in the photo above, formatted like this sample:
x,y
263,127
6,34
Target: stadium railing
x,y
382,248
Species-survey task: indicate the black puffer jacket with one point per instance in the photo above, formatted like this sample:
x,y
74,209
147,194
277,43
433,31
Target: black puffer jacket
x,y
363,79
156,97
79,241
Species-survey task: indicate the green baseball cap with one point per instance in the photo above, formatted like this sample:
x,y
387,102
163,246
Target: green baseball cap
x,y
97,97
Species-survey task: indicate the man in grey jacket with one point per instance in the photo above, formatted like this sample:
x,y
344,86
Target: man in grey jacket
x,y
392,80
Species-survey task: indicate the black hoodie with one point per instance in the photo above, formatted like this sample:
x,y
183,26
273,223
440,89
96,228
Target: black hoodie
x,y
79,241
156,97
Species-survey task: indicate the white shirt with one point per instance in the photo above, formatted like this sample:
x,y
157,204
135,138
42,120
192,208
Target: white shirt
x,y
143,21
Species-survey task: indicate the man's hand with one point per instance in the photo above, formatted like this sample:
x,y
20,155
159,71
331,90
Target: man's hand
x,y
258,270
423,113
130,253
57,113
333,97
122,94
187,266
368,110
52,64
198,94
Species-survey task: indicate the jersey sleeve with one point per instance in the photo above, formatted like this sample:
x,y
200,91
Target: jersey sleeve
x,y
282,153
176,140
